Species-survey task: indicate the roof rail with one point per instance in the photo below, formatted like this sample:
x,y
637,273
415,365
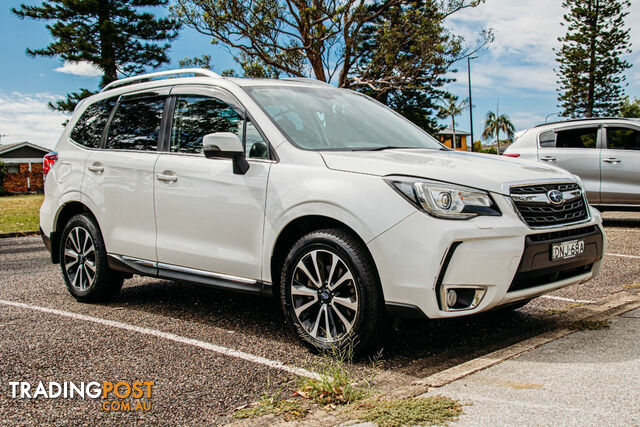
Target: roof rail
x,y
307,80
194,72
583,119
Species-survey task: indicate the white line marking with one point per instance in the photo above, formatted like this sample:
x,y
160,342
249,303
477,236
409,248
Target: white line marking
x,y
625,256
568,299
172,337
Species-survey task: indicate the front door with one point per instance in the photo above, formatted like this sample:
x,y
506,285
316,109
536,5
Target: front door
x,y
576,150
207,217
620,163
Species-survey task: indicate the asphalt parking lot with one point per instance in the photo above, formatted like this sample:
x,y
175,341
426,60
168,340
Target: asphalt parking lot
x,y
182,337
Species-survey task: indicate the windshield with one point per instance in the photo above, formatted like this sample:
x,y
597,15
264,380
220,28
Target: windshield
x,y
337,119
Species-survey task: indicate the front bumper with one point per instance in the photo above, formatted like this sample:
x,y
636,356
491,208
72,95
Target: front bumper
x,y
419,256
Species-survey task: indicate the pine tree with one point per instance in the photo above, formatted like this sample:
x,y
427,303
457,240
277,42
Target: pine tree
x,y
114,35
591,69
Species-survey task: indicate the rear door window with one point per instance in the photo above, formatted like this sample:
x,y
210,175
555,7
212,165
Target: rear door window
x,y
136,124
623,139
88,129
577,138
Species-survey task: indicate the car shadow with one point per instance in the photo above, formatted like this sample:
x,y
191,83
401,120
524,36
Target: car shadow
x,y
417,348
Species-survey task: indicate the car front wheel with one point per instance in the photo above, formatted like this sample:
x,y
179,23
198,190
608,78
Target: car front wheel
x,y
330,293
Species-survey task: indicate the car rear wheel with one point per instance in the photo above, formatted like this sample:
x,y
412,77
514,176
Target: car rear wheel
x,y
330,293
83,260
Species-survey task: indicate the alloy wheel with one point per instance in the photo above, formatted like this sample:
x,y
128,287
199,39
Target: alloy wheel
x,y
80,259
324,295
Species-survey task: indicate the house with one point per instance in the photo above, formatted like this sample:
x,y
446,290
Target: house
x,y
23,161
446,136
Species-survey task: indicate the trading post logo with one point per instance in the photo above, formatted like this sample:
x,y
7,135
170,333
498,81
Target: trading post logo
x,y
121,396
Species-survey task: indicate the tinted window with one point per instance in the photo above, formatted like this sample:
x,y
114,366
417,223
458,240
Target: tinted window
x,y
577,138
547,139
136,125
89,127
197,116
623,139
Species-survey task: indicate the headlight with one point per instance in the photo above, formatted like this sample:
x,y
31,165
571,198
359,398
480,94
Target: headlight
x,y
444,200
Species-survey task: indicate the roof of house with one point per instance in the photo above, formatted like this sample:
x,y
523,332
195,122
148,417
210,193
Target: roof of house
x,y
6,148
449,131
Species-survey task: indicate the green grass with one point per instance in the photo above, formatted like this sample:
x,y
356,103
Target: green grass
x,y
288,409
588,325
20,213
435,410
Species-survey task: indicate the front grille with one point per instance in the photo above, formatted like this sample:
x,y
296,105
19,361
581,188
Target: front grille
x,y
536,214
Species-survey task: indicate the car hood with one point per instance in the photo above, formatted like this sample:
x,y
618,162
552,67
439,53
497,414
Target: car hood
x,y
483,171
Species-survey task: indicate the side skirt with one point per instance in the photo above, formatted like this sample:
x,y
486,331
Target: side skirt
x,y
144,267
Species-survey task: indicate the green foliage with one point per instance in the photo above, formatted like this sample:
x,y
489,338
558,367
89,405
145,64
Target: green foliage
x,y
591,69
117,36
629,108
433,410
396,51
203,61
71,101
494,124
450,108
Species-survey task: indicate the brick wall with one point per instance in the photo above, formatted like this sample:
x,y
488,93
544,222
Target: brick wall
x,y
18,182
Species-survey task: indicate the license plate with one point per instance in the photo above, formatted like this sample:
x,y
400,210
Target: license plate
x,y
564,250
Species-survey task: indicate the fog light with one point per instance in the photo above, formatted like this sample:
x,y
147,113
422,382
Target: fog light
x,y
452,298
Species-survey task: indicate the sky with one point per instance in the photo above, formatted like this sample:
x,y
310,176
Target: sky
x,y
515,72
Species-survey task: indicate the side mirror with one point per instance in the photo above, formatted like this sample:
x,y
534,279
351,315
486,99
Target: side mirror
x,y
226,145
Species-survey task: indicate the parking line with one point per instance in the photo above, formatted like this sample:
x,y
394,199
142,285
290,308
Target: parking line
x,y
171,337
568,299
625,256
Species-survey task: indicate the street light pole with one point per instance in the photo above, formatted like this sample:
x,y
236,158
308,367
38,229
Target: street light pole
x,y
470,100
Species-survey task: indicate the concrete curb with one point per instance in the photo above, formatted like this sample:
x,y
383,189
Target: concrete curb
x,y
19,234
607,308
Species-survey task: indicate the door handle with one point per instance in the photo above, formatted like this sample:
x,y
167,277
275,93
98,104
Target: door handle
x,y
548,159
97,168
612,160
166,178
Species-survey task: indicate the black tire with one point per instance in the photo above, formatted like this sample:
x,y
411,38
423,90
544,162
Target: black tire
x,y
352,331
81,236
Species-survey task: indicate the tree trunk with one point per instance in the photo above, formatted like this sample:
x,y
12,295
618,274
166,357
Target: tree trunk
x,y
592,61
498,139
107,51
453,127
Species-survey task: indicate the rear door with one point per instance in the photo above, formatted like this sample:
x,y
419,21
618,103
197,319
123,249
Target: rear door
x,y
621,166
576,149
119,177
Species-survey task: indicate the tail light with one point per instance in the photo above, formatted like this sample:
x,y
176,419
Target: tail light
x,y
511,155
49,161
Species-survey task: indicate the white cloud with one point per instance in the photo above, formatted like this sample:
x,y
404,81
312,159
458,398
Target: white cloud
x,y
81,68
26,117
522,56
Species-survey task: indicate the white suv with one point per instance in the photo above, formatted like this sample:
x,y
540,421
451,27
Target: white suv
x,y
323,197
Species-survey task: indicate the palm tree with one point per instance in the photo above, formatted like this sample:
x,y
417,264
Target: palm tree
x,y
494,124
450,107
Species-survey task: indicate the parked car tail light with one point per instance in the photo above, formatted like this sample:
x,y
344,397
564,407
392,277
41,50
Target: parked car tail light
x,y
511,155
49,161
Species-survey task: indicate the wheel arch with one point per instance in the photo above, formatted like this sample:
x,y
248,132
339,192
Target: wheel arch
x,y
65,213
299,227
